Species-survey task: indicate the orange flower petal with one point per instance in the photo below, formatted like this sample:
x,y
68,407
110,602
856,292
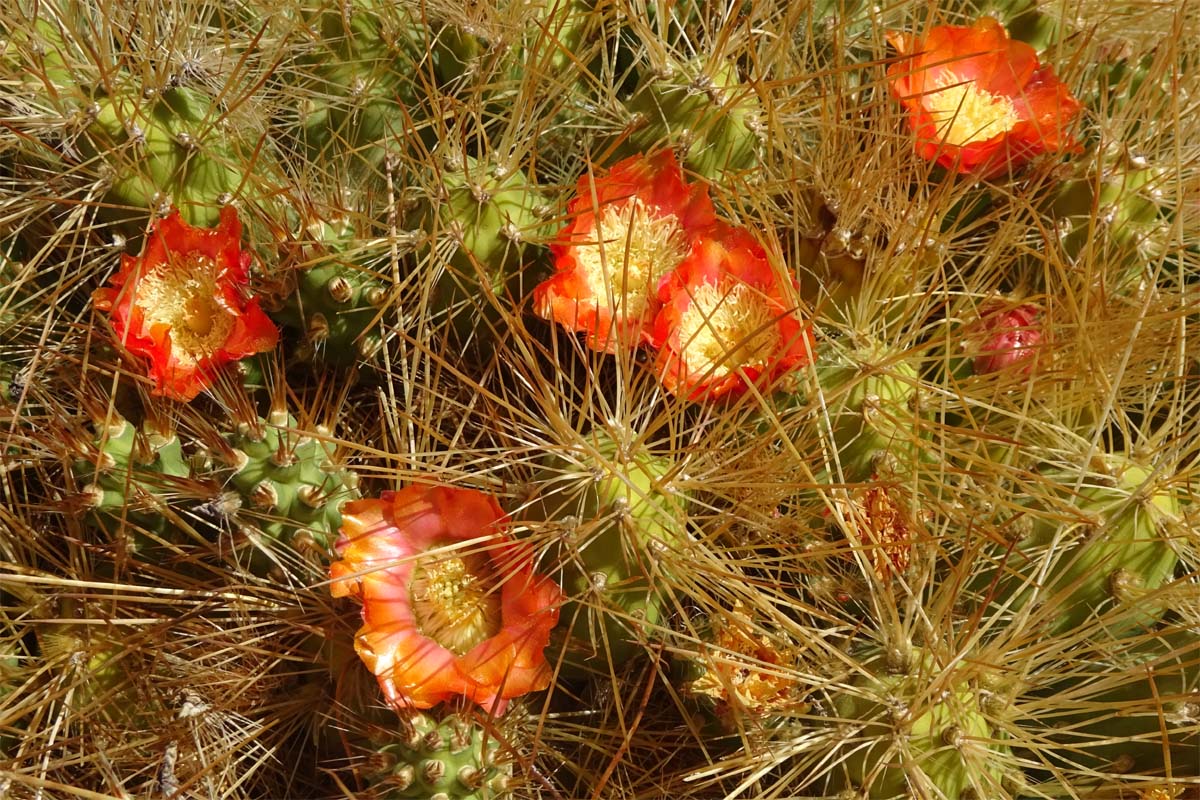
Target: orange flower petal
x,y
979,102
629,228
397,556
182,304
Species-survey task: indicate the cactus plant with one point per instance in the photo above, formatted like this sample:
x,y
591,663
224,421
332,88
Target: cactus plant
x,y
616,509
453,758
127,475
291,485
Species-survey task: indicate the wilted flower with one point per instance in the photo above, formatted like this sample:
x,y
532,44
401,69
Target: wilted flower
x,y
1006,337
728,319
875,522
978,101
183,304
629,229
451,606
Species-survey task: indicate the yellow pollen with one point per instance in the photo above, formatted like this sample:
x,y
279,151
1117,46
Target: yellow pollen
x,y
183,295
727,328
455,601
633,250
964,113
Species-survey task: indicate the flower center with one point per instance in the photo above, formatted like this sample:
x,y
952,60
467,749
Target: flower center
x,y
455,601
964,113
632,251
183,295
727,328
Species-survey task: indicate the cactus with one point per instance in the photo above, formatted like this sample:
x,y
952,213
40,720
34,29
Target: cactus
x,y
163,147
477,220
913,729
703,111
1102,550
454,758
618,510
127,474
873,402
358,80
340,289
1131,711
292,488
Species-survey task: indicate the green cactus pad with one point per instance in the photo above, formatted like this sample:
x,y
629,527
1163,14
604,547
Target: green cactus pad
x,y
1109,548
617,511
359,82
1134,710
127,475
873,402
451,759
168,147
292,487
338,295
482,215
912,729
701,110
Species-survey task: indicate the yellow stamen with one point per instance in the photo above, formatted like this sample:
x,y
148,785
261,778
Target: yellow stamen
x,y
726,328
455,601
183,295
964,113
633,250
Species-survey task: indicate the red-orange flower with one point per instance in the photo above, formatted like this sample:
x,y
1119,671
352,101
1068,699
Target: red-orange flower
x,y
629,229
978,101
728,320
183,304
451,606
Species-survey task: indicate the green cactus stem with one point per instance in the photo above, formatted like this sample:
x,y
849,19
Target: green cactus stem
x,y
703,111
616,510
291,485
476,222
127,475
873,402
913,729
1101,551
339,292
165,147
451,759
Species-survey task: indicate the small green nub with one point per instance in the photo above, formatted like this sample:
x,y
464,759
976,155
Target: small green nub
x,y
454,758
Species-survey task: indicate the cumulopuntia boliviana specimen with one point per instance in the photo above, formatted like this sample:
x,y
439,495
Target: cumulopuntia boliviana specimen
x,y
910,727
342,283
613,508
164,146
127,476
475,220
701,109
452,758
1131,710
1099,549
872,400
358,81
292,487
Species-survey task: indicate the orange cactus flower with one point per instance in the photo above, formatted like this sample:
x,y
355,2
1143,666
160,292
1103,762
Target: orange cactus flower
x,y
979,102
451,606
629,229
728,320
183,304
